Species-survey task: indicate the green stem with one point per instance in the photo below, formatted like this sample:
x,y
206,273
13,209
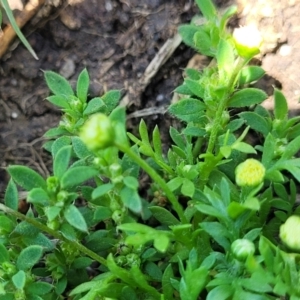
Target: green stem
x,y
208,164
53,233
157,178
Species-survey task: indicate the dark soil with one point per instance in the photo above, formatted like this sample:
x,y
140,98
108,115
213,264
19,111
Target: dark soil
x,y
115,40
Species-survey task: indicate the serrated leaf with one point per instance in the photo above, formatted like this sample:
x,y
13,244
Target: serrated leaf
x,y
29,257
189,110
61,161
19,280
250,74
247,97
94,105
75,218
58,84
82,86
163,216
11,198
26,177
76,176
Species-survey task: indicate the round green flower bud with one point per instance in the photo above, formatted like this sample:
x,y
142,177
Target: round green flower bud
x,y
247,41
290,233
249,173
242,248
97,132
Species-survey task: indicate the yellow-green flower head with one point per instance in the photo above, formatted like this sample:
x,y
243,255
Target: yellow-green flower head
x,y
242,248
251,172
97,132
290,232
247,41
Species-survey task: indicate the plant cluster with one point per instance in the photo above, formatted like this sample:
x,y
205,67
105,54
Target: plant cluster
x,y
219,220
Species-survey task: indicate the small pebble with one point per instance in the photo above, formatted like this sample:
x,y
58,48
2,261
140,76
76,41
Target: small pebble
x,y
14,115
68,68
285,50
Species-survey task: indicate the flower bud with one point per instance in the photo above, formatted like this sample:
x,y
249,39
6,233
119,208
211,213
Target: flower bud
x,y
247,41
97,132
242,248
290,232
249,173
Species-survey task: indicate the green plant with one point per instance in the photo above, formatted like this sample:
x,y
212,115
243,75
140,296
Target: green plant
x,y
5,6
210,224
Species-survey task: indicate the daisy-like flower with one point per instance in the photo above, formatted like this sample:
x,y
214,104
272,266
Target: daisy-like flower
x,y
250,173
247,41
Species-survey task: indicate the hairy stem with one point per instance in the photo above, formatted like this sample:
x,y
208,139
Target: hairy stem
x,y
157,178
53,233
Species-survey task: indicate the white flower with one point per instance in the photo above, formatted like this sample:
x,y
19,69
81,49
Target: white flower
x,y
247,40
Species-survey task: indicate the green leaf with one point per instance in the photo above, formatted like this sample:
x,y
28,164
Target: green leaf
x,y
157,141
82,87
291,149
111,100
194,131
188,188
209,210
166,284
187,33
280,105
76,176
59,100
58,84
39,240
189,110
11,198
225,59
247,97
243,147
177,138
131,199
68,232
269,149
250,74
9,13
29,257
54,132
38,288
207,8
256,122
163,216
101,190
75,218
94,105
131,182
221,292
80,148
59,143
195,87
38,196
19,280
4,255
61,161
175,183
26,178
52,212
203,43
102,213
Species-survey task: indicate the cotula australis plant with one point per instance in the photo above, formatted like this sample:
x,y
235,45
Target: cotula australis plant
x,y
220,220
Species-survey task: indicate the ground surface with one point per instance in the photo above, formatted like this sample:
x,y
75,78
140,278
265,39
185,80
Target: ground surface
x,y
116,40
